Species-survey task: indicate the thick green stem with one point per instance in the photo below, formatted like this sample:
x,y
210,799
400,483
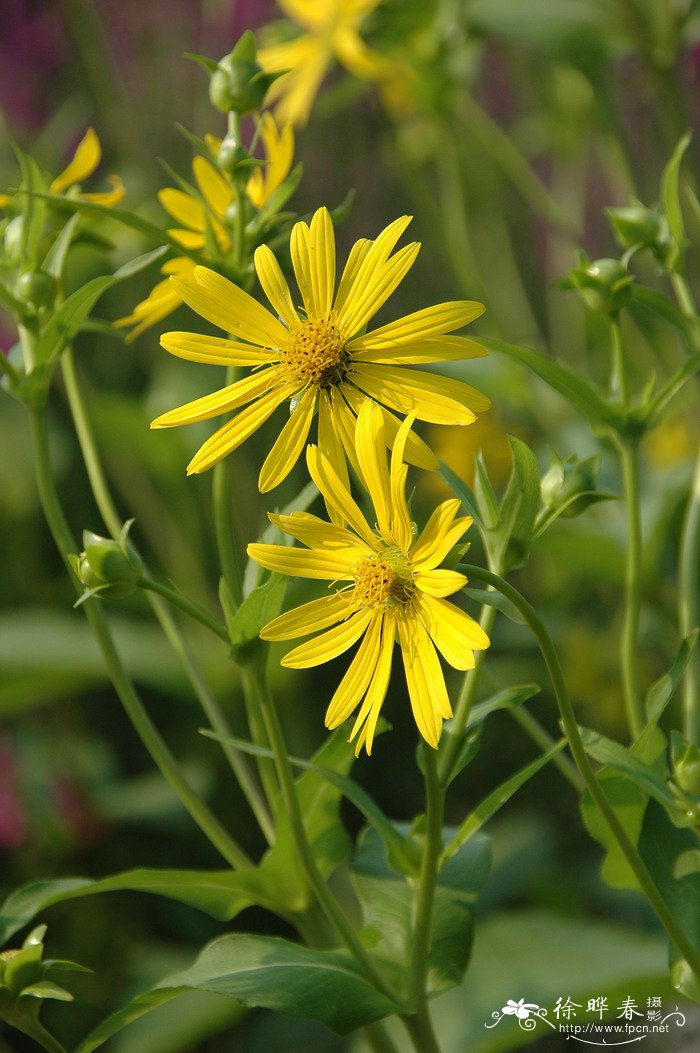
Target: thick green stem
x,y
323,894
188,606
465,701
135,710
634,704
420,1030
568,718
103,498
378,1039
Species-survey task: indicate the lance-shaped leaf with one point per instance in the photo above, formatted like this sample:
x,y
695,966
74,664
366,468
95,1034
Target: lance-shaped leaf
x,y
670,197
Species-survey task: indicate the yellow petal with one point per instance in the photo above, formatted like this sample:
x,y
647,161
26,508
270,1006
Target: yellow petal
x,y
289,443
189,239
222,303
430,322
329,644
373,259
309,618
299,249
321,246
357,254
376,692
439,400
382,283
331,447
436,349
337,496
304,563
214,350
370,449
279,154
160,302
317,533
84,162
439,582
214,187
440,534
108,198
356,680
456,635
417,452
228,398
307,60
4,200
275,286
183,207
358,58
344,422
400,517
425,680
236,431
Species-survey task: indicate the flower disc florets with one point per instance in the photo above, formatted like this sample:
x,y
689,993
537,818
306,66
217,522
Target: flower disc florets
x,y
385,581
316,353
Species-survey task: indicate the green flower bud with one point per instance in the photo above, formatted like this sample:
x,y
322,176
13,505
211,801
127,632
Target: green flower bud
x,y
639,227
231,154
604,285
111,569
13,238
238,84
686,769
570,486
36,288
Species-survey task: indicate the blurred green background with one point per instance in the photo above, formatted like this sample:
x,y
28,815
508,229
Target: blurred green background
x,y
591,96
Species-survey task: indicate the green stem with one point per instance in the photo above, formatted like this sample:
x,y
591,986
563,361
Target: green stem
x,y
135,710
325,897
689,603
224,531
568,718
378,1039
36,1030
634,705
420,1030
465,700
9,370
541,737
188,606
103,498
618,370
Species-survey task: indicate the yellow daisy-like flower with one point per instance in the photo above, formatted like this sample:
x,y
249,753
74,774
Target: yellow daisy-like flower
x,y
396,590
320,359
85,160
209,213
331,31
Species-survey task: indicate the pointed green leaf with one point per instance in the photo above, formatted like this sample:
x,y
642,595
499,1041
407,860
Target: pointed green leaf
x,y
55,259
134,1010
497,600
258,608
615,756
33,208
47,989
574,388
662,691
670,197
512,534
460,489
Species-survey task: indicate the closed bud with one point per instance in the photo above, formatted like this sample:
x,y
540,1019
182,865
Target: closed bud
x,y
109,568
231,154
239,84
640,227
604,285
686,769
570,486
36,288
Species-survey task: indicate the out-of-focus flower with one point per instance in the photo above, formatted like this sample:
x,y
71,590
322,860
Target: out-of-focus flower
x,y
330,32
323,360
396,590
670,442
198,216
85,160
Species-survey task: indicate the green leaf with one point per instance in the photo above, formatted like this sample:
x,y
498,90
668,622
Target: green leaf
x,y
662,691
494,801
513,532
508,698
34,206
47,989
258,608
629,802
670,197
55,259
460,489
575,389
486,499
135,1009
498,600
646,302
386,898
615,756
69,318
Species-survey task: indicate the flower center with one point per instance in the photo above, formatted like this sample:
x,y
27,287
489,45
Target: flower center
x,y
316,353
385,580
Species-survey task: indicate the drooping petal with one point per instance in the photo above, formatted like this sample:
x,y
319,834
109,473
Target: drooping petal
x,y
275,285
107,198
429,322
455,634
183,207
222,303
439,582
329,644
189,239
304,563
214,187
83,163
215,350
366,722
356,680
425,680
331,447
289,443
228,398
440,534
370,449
434,349
309,618
400,517
236,431
279,154
162,300
439,400
335,495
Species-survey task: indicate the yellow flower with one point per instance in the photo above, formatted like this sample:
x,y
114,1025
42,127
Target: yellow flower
x,y
85,160
396,590
198,216
322,360
331,30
